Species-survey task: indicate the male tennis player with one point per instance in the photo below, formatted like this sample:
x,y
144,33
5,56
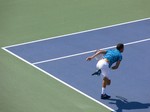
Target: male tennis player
x,y
110,57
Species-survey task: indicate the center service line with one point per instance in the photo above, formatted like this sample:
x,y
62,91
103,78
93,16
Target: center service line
x,y
87,52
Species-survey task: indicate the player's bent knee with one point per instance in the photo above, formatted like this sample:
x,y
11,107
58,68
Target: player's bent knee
x,y
107,81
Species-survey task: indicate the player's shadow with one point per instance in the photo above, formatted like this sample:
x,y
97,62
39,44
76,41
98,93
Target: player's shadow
x,y
123,104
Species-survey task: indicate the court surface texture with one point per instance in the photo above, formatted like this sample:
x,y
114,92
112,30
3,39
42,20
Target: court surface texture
x,y
64,59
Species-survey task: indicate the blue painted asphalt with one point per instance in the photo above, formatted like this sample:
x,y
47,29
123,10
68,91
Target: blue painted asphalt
x,y
130,81
82,42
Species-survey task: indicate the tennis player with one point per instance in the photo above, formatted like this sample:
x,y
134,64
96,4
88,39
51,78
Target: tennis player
x,y
110,57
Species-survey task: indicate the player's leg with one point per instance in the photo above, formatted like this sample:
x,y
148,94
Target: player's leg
x,y
106,81
97,73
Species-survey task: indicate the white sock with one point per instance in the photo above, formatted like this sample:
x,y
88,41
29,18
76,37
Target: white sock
x,y
103,90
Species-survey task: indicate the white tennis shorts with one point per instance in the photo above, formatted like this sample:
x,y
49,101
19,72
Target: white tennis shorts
x,y
104,66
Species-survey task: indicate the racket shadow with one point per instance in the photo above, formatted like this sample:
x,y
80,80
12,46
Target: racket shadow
x,y
123,104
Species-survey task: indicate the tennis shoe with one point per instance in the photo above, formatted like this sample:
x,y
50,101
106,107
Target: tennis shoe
x,y
105,96
98,72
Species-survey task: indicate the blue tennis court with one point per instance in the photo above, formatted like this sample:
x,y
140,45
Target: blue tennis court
x,y
63,58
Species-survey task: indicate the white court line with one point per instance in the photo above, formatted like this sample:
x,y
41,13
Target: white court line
x,y
32,64
69,56
60,80
110,26
130,43
78,54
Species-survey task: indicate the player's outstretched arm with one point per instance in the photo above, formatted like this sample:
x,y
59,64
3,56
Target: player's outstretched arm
x,y
96,54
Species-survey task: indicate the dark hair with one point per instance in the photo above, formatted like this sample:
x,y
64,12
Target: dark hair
x,y
119,46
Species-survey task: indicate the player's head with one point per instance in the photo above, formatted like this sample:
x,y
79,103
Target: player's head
x,y
120,47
